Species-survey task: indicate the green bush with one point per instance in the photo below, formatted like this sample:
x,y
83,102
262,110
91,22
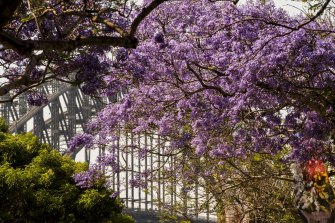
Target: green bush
x,y
37,185
3,125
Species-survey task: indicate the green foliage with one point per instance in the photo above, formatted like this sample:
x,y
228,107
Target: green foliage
x,y
36,185
3,125
259,186
168,217
18,150
269,189
122,218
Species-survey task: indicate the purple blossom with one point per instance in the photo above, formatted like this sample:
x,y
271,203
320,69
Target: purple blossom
x,y
36,74
115,194
37,98
139,180
79,140
186,189
121,55
181,141
142,152
109,160
87,179
159,37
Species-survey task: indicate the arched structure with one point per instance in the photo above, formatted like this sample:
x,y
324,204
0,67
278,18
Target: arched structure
x,y
56,122
66,114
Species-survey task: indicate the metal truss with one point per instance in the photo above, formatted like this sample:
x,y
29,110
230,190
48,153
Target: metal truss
x,y
66,114
57,122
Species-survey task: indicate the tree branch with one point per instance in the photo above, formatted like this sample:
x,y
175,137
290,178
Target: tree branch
x,y
217,88
145,11
109,24
7,9
323,8
28,46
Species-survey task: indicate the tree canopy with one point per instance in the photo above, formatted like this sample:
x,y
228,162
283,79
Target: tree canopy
x,y
46,40
228,81
71,41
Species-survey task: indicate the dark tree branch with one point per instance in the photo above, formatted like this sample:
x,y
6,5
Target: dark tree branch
x,y
204,85
28,46
319,13
302,25
109,24
145,11
212,69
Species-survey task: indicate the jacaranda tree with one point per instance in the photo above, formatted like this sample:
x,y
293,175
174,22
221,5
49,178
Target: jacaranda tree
x,y
230,82
66,40
227,82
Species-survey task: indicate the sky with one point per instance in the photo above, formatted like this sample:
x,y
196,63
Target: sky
x,y
293,7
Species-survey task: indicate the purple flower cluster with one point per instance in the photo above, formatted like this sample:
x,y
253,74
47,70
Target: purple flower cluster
x,y
142,152
80,140
159,37
87,179
109,160
121,55
90,68
36,74
115,194
139,181
35,98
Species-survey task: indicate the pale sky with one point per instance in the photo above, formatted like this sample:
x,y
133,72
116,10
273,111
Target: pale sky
x,y
293,7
